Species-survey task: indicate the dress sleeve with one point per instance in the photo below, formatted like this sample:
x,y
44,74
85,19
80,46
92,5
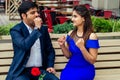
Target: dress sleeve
x,y
68,39
92,44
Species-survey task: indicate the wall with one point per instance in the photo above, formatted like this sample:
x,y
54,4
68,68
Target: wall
x,y
106,4
111,4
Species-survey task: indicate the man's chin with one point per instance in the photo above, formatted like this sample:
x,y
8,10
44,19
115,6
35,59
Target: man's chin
x,y
33,24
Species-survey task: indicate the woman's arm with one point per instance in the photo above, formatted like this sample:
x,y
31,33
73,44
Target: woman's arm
x,y
91,54
64,47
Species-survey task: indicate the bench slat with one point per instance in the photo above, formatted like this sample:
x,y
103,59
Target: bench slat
x,y
104,74
108,71
4,69
6,54
58,52
111,56
110,42
101,50
107,74
4,37
105,50
102,58
110,34
98,65
108,77
5,61
113,42
2,77
107,64
108,57
61,59
109,49
59,66
6,46
55,44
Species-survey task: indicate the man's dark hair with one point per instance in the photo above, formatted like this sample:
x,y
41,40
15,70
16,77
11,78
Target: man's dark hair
x,y
26,6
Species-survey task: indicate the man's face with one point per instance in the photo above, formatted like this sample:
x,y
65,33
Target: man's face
x,y
30,15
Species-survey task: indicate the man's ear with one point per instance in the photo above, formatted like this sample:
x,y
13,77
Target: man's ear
x,y
23,15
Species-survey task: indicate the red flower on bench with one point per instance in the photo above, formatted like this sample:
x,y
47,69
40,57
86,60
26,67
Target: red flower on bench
x,y
37,72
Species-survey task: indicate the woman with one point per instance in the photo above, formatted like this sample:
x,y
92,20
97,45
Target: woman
x,y
81,48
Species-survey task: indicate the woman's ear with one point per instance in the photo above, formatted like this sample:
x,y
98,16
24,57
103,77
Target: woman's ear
x,y
83,19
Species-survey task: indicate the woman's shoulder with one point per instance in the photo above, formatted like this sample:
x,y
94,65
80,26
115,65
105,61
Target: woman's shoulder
x,y
70,32
93,41
93,36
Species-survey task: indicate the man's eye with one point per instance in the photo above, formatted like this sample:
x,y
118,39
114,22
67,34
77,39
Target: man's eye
x,y
32,13
74,16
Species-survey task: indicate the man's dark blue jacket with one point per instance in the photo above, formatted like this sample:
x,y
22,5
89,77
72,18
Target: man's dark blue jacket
x,y
22,43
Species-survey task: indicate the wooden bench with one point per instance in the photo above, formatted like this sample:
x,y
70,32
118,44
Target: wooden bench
x,y
107,64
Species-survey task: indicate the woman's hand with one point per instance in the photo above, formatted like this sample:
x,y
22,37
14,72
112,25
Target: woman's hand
x,y
80,43
61,41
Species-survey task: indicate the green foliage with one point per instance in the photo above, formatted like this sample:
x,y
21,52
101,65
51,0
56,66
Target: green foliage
x,y
99,24
63,28
4,29
103,25
115,25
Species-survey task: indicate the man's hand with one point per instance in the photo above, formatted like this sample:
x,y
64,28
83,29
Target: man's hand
x,y
51,70
38,22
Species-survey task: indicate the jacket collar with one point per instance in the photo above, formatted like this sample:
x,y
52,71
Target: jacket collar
x,y
24,29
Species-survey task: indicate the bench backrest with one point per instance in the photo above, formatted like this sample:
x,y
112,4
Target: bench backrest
x,y
107,64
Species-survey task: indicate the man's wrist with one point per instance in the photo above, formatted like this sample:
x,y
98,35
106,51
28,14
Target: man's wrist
x,y
37,28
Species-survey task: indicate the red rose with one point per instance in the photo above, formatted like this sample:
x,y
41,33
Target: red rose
x,y
35,71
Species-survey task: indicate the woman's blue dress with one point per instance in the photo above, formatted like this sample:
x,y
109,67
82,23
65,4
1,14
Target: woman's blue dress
x,y
77,67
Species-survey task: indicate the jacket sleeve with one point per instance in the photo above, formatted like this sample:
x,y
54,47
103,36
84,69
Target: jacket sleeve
x,y
49,50
22,41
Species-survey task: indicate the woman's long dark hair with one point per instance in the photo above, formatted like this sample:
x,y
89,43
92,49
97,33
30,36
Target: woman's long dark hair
x,y
87,28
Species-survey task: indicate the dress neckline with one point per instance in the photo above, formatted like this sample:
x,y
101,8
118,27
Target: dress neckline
x,y
79,36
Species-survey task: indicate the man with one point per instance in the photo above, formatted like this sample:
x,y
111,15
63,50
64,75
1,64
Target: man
x,y
32,46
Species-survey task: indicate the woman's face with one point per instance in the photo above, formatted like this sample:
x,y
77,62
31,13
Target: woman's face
x,y
77,19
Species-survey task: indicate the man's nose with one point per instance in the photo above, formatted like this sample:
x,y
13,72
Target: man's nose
x,y
72,19
37,14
